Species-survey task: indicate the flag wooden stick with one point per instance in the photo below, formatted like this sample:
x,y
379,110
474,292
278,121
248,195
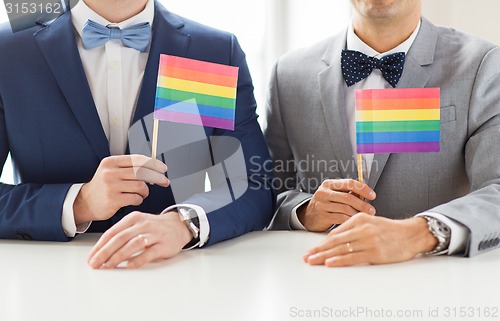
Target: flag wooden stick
x,y
154,144
360,170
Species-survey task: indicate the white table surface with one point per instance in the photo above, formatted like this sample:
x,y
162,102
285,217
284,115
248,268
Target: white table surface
x,y
259,276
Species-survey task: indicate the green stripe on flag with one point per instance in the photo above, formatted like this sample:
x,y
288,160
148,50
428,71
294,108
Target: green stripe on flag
x,y
201,99
397,126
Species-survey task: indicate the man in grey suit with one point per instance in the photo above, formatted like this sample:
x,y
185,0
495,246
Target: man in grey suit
x,y
415,203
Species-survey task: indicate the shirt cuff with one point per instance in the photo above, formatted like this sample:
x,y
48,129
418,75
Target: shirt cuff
x,y
459,232
202,217
294,220
68,217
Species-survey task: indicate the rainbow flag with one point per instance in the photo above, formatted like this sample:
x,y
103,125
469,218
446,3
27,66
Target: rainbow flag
x,y
400,120
196,92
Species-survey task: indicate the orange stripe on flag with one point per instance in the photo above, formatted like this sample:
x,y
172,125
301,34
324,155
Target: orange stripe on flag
x,y
192,75
397,104
399,93
197,65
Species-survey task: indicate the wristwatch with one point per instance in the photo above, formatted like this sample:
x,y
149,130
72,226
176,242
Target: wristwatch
x,y
190,218
441,232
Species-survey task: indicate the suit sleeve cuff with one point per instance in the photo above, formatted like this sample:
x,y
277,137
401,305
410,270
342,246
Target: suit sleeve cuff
x,y
68,218
294,220
459,233
202,217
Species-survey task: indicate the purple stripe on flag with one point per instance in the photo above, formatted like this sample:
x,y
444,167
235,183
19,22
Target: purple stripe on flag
x,y
388,148
207,121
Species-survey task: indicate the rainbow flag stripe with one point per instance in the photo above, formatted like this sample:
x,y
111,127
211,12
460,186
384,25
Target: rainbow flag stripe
x,y
400,120
196,92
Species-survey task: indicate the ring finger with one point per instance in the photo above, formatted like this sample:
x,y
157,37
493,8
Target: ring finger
x,y
132,248
341,249
114,245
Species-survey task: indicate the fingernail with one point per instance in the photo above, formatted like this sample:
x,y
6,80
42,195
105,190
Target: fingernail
x,y
330,261
312,257
93,263
372,211
372,194
165,168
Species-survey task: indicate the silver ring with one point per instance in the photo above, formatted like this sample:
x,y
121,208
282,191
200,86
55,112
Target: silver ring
x,y
349,247
146,242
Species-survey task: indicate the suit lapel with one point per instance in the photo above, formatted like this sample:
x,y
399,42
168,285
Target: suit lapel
x,y
58,46
167,39
415,75
332,91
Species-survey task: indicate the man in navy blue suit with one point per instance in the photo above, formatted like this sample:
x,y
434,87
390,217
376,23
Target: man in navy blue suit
x,y
68,97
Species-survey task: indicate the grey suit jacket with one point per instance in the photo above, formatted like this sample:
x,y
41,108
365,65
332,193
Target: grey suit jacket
x,y
307,126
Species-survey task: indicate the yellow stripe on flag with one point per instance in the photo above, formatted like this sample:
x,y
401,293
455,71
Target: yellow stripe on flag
x,y
398,115
196,87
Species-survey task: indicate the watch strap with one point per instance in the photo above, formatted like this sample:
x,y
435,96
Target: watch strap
x,y
441,232
190,218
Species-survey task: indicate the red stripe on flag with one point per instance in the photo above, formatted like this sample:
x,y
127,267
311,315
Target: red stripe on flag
x,y
197,65
399,93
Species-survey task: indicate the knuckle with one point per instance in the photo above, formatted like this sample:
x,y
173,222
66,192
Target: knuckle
x,y
147,224
121,238
344,198
145,190
106,162
350,184
320,193
137,263
135,216
139,186
337,184
138,199
138,242
107,175
365,217
117,258
134,199
366,229
345,209
360,218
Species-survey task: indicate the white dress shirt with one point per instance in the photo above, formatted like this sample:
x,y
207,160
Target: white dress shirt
x,y
114,73
376,81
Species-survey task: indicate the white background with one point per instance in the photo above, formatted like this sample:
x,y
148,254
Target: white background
x,y
267,29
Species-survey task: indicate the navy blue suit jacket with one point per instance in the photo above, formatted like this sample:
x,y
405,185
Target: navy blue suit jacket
x,y
49,124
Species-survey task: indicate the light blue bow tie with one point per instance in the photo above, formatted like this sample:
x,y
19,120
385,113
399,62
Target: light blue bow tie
x,y
137,37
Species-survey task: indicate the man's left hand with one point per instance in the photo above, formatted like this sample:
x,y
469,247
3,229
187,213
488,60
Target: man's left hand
x,y
367,239
140,238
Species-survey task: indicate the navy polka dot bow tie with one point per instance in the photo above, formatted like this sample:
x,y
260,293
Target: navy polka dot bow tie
x,y
356,66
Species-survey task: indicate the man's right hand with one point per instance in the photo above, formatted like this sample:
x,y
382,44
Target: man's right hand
x,y
334,203
119,181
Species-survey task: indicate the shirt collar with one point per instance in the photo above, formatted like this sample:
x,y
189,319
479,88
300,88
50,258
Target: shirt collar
x,y
81,13
355,43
